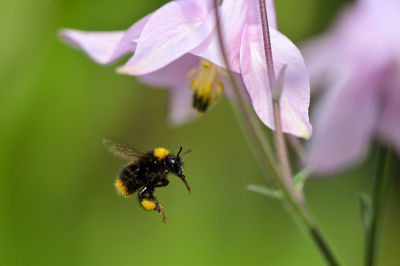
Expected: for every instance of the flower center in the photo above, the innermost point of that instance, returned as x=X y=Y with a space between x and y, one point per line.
x=207 y=85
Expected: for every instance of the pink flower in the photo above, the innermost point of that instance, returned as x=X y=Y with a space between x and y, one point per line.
x=358 y=61
x=176 y=47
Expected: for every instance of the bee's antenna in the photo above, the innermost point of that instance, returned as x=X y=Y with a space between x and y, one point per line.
x=180 y=150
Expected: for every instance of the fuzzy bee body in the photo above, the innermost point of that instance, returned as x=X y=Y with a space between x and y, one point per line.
x=145 y=172
x=128 y=180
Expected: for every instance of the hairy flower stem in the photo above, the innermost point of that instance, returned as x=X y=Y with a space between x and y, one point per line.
x=279 y=138
x=260 y=144
x=294 y=196
x=380 y=193
x=297 y=147
x=254 y=132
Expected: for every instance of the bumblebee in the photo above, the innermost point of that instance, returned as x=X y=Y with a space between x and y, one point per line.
x=145 y=172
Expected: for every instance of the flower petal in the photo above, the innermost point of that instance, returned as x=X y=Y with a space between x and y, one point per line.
x=389 y=121
x=253 y=13
x=180 y=105
x=296 y=92
x=319 y=54
x=173 y=30
x=105 y=47
x=244 y=12
x=228 y=90
x=344 y=122
x=100 y=46
x=173 y=75
x=232 y=33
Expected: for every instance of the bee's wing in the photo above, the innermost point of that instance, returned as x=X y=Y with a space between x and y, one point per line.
x=122 y=149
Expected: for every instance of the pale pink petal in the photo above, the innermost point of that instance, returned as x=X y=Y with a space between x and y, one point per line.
x=344 y=123
x=363 y=99
x=253 y=13
x=173 y=77
x=228 y=90
x=296 y=88
x=320 y=55
x=129 y=41
x=180 y=105
x=325 y=53
x=367 y=30
x=389 y=120
x=389 y=126
x=173 y=30
x=232 y=33
x=174 y=74
x=379 y=6
x=243 y=11
x=105 y=47
x=100 y=46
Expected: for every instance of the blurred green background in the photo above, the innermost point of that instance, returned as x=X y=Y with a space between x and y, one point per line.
x=58 y=205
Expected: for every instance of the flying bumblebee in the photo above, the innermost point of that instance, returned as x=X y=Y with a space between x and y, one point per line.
x=145 y=172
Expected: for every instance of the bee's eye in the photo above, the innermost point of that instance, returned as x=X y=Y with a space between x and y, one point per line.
x=173 y=165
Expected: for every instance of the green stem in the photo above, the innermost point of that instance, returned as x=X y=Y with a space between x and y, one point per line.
x=294 y=196
x=380 y=193
x=297 y=147
x=246 y=116
x=284 y=182
x=279 y=138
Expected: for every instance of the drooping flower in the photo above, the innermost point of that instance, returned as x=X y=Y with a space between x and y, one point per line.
x=358 y=63
x=176 y=47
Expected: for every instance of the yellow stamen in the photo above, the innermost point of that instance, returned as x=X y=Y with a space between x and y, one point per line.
x=207 y=85
x=220 y=87
x=191 y=73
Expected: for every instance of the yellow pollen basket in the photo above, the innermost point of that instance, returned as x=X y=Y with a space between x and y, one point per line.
x=207 y=85
x=148 y=205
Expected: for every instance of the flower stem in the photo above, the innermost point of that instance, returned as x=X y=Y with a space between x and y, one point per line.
x=380 y=193
x=297 y=147
x=254 y=132
x=279 y=138
x=294 y=196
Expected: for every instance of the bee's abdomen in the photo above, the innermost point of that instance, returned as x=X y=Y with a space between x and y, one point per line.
x=127 y=181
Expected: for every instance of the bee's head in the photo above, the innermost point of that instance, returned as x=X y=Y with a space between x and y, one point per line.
x=175 y=166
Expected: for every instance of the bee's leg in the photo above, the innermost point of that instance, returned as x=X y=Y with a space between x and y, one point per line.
x=163 y=182
x=145 y=190
x=160 y=209
x=149 y=202
x=147 y=199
